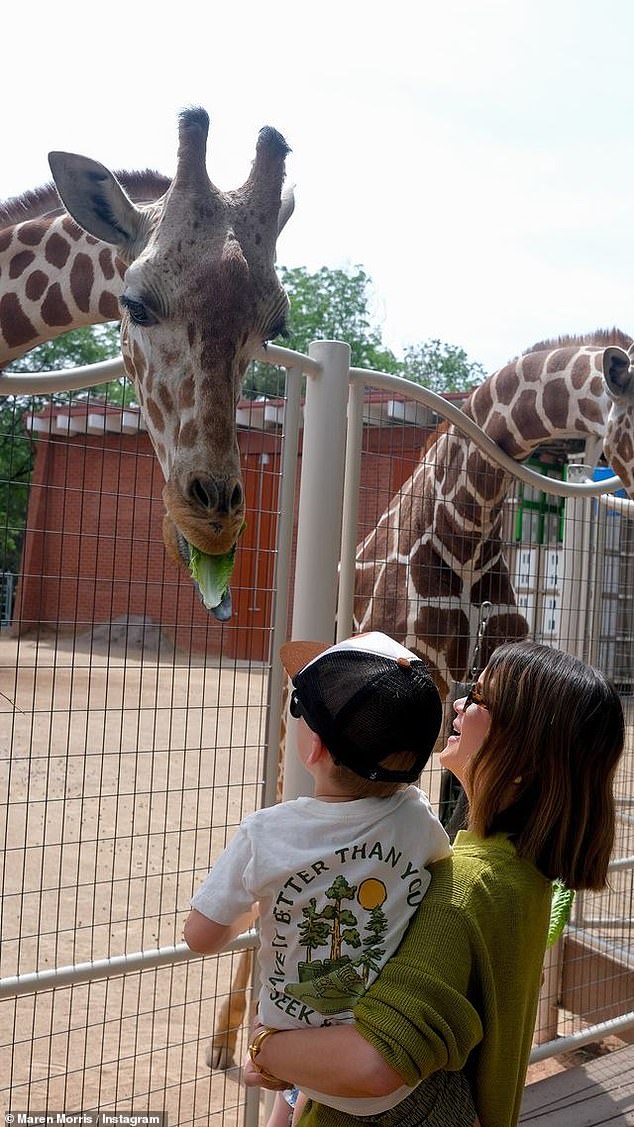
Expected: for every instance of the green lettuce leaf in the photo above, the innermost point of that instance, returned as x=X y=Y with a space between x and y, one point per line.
x=212 y=573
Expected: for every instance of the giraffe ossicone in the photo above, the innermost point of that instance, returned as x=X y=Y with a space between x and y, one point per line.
x=191 y=274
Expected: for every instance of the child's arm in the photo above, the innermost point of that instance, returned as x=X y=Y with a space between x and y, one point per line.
x=206 y=937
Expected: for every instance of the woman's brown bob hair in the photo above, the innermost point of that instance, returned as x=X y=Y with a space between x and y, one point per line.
x=555 y=740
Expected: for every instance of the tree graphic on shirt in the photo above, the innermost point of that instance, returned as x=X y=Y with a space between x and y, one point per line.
x=314 y=931
x=342 y=920
x=373 y=952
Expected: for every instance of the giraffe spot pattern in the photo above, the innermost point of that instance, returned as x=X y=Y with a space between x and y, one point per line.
x=130 y=372
x=497 y=427
x=507 y=386
x=580 y=371
x=31 y=234
x=591 y=410
x=186 y=393
x=156 y=415
x=82 y=277
x=109 y=307
x=188 y=436
x=532 y=367
x=167 y=399
x=447 y=631
x=450 y=530
x=16 y=327
x=449 y=466
x=555 y=403
x=431 y=574
x=36 y=283
x=55 y=311
x=526 y=419
x=486 y=478
x=5 y=239
x=56 y=250
x=626 y=450
x=20 y=262
x=71 y=228
x=106 y=264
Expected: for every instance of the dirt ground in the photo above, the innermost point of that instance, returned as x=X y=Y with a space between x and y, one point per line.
x=123 y=768
x=122 y=774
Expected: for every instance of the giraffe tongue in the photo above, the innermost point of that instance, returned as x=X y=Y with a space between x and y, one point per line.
x=224 y=610
x=211 y=575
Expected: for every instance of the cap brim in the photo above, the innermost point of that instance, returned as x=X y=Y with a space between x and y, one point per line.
x=295 y=655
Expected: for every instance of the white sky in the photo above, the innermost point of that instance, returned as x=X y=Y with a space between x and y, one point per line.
x=474 y=156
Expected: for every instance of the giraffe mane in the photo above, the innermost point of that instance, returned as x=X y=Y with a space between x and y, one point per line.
x=600 y=337
x=37 y=202
x=433 y=436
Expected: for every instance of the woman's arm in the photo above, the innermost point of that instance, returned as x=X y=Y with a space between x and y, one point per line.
x=416 y=1018
x=335 y=1060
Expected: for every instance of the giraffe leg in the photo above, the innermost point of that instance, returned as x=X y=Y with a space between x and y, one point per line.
x=221 y=1049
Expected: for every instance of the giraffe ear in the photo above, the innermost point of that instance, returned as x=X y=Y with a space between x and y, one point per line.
x=95 y=199
x=618 y=372
x=287 y=207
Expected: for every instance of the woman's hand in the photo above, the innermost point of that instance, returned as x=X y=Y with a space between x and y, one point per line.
x=253 y=1076
x=254 y=1079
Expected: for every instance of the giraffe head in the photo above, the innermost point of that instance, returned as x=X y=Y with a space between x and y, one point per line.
x=200 y=295
x=618 y=439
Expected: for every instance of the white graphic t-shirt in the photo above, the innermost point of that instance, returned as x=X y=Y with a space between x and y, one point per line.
x=337 y=884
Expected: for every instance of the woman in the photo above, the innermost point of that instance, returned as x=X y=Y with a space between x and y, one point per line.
x=536 y=743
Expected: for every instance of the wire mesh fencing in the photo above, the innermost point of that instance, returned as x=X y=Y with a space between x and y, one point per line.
x=134 y=739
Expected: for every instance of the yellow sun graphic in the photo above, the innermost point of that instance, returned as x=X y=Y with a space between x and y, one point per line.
x=371 y=894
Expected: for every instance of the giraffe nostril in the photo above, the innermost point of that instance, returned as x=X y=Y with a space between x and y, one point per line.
x=205 y=492
x=236 y=497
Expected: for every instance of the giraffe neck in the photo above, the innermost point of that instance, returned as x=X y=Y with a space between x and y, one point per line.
x=53 y=277
x=436 y=553
x=542 y=396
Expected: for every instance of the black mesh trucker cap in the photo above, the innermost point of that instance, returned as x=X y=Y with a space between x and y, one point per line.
x=366 y=698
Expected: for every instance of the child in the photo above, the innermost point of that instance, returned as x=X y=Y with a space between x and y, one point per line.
x=337 y=877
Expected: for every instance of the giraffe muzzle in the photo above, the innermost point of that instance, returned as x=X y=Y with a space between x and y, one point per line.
x=223 y=497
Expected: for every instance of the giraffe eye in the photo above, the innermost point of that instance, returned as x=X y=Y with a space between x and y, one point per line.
x=279 y=328
x=139 y=313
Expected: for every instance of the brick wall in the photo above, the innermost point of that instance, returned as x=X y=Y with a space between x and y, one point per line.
x=93 y=550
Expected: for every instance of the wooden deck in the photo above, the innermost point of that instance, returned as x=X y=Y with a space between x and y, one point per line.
x=590 y=1095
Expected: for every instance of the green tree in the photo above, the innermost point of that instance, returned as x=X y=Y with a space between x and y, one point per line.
x=76 y=349
x=334 y=304
x=326 y=305
x=441 y=367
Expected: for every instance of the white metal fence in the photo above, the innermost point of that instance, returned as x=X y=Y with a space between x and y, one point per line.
x=126 y=766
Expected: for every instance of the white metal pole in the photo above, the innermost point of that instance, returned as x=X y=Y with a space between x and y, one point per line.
x=282 y=581
x=575 y=570
x=319 y=518
x=350 y=525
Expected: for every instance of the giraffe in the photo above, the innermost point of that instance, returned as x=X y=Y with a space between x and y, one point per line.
x=436 y=552
x=191 y=275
